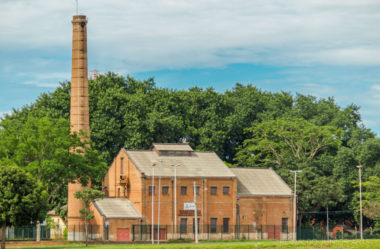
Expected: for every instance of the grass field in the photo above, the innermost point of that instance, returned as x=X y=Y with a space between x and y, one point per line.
x=341 y=244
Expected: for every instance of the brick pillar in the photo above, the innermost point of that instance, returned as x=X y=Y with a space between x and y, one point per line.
x=79 y=113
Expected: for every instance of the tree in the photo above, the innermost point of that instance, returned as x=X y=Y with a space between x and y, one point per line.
x=371 y=202
x=88 y=196
x=22 y=199
x=287 y=143
x=129 y=113
x=43 y=147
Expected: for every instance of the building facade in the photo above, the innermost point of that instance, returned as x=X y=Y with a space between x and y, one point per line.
x=162 y=192
x=165 y=178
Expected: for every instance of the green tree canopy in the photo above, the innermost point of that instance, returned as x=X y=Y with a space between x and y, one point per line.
x=22 y=199
x=43 y=147
x=88 y=196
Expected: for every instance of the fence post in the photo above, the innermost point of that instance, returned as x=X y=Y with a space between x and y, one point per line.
x=133 y=232
x=208 y=231
x=74 y=232
x=248 y=231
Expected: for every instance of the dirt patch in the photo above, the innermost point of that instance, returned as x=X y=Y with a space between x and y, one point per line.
x=35 y=243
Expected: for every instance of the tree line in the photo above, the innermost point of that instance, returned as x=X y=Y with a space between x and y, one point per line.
x=245 y=126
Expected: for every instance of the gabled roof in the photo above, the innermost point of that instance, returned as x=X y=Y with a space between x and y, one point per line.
x=199 y=164
x=116 y=208
x=172 y=147
x=260 y=182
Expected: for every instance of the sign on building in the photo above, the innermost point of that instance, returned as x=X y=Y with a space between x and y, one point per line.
x=189 y=206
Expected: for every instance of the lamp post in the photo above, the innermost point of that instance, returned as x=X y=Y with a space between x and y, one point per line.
x=175 y=198
x=195 y=214
x=295 y=203
x=152 y=232
x=360 y=194
x=159 y=202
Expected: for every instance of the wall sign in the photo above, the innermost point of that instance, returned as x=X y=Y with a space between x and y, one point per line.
x=189 y=206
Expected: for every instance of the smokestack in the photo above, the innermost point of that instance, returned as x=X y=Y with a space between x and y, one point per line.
x=79 y=117
x=79 y=110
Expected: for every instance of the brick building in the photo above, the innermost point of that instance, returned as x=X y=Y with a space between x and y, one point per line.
x=226 y=197
x=230 y=202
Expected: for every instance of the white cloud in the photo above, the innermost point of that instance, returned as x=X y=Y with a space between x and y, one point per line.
x=154 y=34
x=2 y=114
x=132 y=36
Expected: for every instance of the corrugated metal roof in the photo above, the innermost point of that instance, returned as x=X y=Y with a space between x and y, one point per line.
x=117 y=208
x=172 y=147
x=199 y=164
x=253 y=181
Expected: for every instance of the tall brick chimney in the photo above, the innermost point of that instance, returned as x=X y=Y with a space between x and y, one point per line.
x=79 y=115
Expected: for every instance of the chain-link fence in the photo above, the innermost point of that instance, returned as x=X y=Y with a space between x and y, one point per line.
x=336 y=232
x=27 y=233
x=94 y=232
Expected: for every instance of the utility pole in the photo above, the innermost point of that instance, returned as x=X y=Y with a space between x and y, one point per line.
x=327 y=222
x=152 y=232
x=159 y=202
x=195 y=214
x=175 y=198
x=295 y=203
x=361 y=207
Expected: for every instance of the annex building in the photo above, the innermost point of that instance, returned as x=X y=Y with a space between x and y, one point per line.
x=227 y=199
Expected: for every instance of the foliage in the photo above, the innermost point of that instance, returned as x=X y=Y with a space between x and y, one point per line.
x=287 y=143
x=294 y=143
x=371 y=200
x=65 y=233
x=43 y=147
x=22 y=199
x=125 y=112
x=88 y=196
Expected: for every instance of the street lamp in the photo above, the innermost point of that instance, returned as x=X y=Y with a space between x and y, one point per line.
x=360 y=193
x=295 y=203
x=159 y=201
x=152 y=232
x=175 y=198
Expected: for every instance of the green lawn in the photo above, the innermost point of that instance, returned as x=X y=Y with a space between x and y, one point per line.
x=342 y=244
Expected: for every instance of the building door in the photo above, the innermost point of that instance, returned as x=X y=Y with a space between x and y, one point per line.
x=162 y=234
x=273 y=232
x=123 y=234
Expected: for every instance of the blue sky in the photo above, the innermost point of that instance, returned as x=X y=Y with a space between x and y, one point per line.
x=318 y=47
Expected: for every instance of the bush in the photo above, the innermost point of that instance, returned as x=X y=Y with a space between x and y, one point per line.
x=65 y=233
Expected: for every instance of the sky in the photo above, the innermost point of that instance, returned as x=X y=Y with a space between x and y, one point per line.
x=318 y=47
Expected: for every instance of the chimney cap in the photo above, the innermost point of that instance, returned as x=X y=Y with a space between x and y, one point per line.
x=79 y=17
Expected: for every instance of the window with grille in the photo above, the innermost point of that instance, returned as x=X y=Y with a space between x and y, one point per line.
x=197 y=190
x=213 y=190
x=165 y=190
x=226 y=190
x=183 y=228
x=213 y=225
x=198 y=220
x=151 y=190
x=183 y=190
x=226 y=222
x=121 y=165
x=284 y=226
